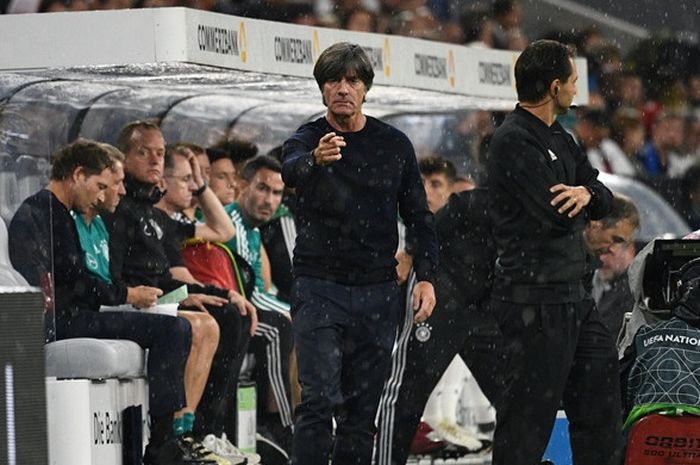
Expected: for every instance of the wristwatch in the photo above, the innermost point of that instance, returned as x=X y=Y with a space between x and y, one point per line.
x=593 y=194
x=200 y=190
x=311 y=160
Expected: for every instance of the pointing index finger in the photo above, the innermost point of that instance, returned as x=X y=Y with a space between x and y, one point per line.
x=327 y=137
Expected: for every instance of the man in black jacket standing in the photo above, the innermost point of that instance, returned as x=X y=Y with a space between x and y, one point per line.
x=350 y=172
x=543 y=191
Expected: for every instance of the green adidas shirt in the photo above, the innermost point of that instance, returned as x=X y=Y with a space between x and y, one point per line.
x=94 y=240
x=246 y=242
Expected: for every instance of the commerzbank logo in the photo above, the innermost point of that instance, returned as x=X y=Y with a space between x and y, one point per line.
x=297 y=51
x=435 y=66
x=243 y=41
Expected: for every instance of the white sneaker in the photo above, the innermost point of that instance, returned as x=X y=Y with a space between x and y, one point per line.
x=225 y=448
x=455 y=434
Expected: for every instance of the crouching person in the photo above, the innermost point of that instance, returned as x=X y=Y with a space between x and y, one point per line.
x=43 y=242
x=669 y=346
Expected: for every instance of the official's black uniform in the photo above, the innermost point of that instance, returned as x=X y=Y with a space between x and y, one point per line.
x=459 y=325
x=144 y=244
x=557 y=346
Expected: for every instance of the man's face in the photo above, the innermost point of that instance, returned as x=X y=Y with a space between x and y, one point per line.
x=567 y=91
x=145 y=158
x=600 y=239
x=344 y=97
x=223 y=180
x=437 y=190
x=669 y=134
x=616 y=260
x=89 y=191
x=261 y=197
x=115 y=191
x=179 y=184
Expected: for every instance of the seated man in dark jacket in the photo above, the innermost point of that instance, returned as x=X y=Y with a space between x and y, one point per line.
x=44 y=245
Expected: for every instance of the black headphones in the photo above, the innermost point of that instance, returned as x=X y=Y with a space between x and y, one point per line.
x=556 y=91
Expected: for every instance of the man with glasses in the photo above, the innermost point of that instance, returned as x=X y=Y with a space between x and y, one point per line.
x=143 y=248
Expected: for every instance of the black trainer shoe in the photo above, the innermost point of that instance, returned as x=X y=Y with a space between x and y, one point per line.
x=175 y=452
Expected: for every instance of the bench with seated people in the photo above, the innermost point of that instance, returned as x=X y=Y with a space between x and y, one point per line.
x=89 y=383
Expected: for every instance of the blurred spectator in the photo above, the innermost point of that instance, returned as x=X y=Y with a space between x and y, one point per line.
x=692 y=137
x=217 y=6
x=301 y=13
x=694 y=94
x=159 y=3
x=592 y=132
x=628 y=132
x=359 y=19
x=660 y=156
x=516 y=40
x=690 y=206
x=334 y=11
x=477 y=27
x=53 y=6
x=631 y=90
x=508 y=15
x=114 y=4
x=419 y=23
x=588 y=39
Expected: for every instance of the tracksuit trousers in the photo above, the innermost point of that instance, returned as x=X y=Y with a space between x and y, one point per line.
x=423 y=353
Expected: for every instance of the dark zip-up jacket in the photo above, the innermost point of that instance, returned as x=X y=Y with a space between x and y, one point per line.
x=347 y=211
x=541 y=252
x=144 y=242
x=467 y=252
x=43 y=239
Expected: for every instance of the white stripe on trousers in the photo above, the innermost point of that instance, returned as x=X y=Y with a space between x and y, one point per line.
x=392 y=385
x=274 y=370
x=289 y=232
x=265 y=301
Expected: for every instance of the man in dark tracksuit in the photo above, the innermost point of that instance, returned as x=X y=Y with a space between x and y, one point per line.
x=460 y=325
x=351 y=172
x=543 y=190
x=142 y=251
x=44 y=245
